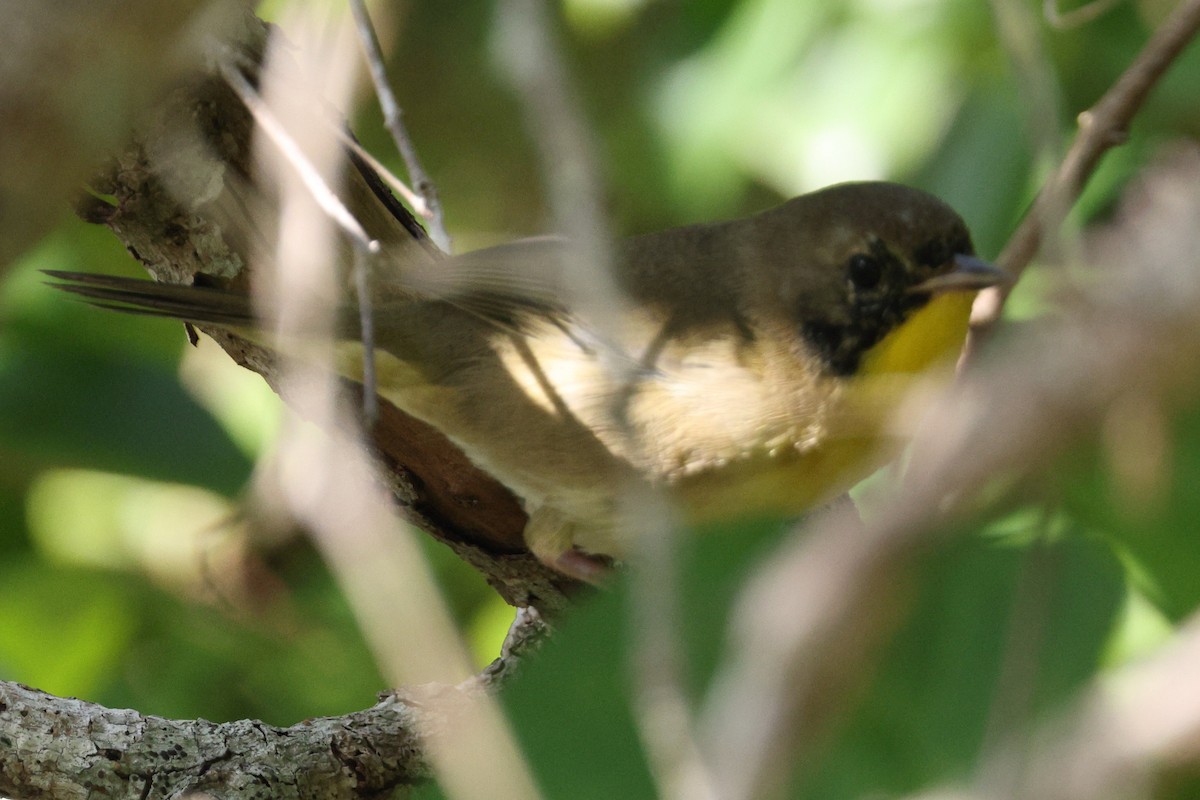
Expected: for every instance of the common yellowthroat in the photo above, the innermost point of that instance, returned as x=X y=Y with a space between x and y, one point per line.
x=755 y=367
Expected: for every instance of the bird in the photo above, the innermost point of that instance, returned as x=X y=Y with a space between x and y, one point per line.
x=750 y=368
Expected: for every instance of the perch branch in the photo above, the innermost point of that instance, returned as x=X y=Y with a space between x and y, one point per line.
x=64 y=749
x=183 y=194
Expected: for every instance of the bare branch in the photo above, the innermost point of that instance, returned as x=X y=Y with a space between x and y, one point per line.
x=414 y=200
x=327 y=480
x=1129 y=732
x=393 y=119
x=1019 y=31
x=1103 y=126
x=63 y=115
x=64 y=749
x=1076 y=17
x=530 y=54
x=317 y=186
x=810 y=623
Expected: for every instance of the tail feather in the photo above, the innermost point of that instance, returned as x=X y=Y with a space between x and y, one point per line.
x=134 y=296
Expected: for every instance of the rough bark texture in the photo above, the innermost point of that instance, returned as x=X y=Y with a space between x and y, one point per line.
x=55 y=748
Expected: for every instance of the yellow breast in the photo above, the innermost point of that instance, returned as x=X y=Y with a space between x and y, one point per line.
x=858 y=439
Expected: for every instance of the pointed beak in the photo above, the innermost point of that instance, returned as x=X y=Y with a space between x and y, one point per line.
x=969 y=274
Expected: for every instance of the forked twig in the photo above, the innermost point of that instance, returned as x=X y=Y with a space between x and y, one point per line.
x=393 y=120
x=1101 y=127
x=363 y=245
x=321 y=192
x=812 y=620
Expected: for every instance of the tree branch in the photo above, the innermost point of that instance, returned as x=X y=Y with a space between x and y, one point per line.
x=1103 y=126
x=809 y=623
x=52 y=747
x=67 y=748
x=393 y=120
x=68 y=102
x=786 y=671
x=1129 y=731
x=185 y=202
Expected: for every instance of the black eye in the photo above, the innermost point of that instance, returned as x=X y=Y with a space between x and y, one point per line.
x=933 y=254
x=864 y=271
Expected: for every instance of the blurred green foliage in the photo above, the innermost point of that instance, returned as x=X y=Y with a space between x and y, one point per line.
x=702 y=109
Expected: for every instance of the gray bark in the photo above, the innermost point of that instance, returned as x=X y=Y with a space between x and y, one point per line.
x=55 y=748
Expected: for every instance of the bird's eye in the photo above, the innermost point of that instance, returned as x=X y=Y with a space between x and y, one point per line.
x=864 y=271
x=934 y=253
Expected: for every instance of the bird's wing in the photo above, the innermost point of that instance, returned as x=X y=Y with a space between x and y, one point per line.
x=503 y=284
x=514 y=287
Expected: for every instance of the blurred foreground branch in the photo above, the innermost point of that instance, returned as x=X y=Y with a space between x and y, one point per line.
x=324 y=477
x=75 y=79
x=1129 y=733
x=1103 y=126
x=186 y=203
x=192 y=203
x=393 y=120
x=831 y=599
x=811 y=622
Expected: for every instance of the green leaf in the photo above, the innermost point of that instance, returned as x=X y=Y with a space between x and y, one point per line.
x=924 y=716
x=63 y=631
x=1157 y=531
x=101 y=410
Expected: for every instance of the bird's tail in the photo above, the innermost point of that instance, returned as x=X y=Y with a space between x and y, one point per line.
x=197 y=304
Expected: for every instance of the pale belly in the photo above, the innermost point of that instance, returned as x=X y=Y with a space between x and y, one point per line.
x=568 y=426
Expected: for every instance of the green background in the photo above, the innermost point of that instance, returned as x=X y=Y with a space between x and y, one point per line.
x=119 y=482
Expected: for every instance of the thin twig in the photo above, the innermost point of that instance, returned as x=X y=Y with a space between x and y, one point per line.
x=528 y=52
x=525 y=635
x=1101 y=127
x=414 y=200
x=663 y=709
x=1018 y=29
x=810 y=624
x=363 y=245
x=366 y=324
x=1130 y=731
x=393 y=120
x=1012 y=699
x=1076 y=17
x=327 y=478
x=326 y=198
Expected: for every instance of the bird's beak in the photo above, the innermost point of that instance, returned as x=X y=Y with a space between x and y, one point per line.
x=969 y=274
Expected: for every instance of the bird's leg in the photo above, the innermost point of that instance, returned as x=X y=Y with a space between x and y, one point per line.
x=548 y=534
